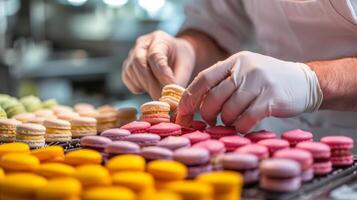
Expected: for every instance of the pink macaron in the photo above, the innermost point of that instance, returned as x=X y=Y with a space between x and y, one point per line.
x=340 y=149
x=195 y=125
x=215 y=147
x=297 y=135
x=143 y=139
x=137 y=126
x=122 y=147
x=197 y=136
x=217 y=132
x=95 y=142
x=156 y=153
x=274 y=144
x=165 y=129
x=260 y=151
x=260 y=135
x=115 y=134
x=233 y=142
x=174 y=142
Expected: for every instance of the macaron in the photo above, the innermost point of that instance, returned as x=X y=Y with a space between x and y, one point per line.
x=61 y=108
x=303 y=157
x=233 y=142
x=32 y=134
x=92 y=175
x=321 y=154
x=196 y=160
x=341 y=147
x=83 y=126
x=260 y=135
x=274 y=144
x=15 y=147
x=126 y=115
x=108 y=193
x=214 y=147
x=68 y=116
x=171 y=94
x=31 y=103
x=55 y=170
x=167 y=170
x=95 y=142
x=83 y=156
x=60 y=189
x=24 y=117
x=165 y=129
x=49 y=103
x=189 y=190
x=122 y=147
x=144 y=139
x=198 y=125
x=156 y=153
x=217 y=132
x=297 y=135
x=280 y=175
x=106 y=121
x=8 y=130
x=139 y=182
x=88 y=113
x=3 y=114
x=16 y=186
x=44 y=113
x=13 y=107
x=126 y=163
x=260 y=151
x=115 y=134
x=107 y=108
x=164 y=195
x=155 y=112
x=246 y=164
x=197 y=136
x=57 y=130
x=48 y=153
x=83 y=106
x=18 y=162
x=136 y=127
x=174 y=142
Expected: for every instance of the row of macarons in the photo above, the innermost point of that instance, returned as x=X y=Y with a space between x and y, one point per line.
x=55 y=175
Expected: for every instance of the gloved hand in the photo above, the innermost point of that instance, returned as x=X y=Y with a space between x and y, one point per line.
x=158 y=59
x=247 y=87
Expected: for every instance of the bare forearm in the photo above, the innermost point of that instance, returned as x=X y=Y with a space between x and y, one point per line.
x=338 y=81
x=207 y=51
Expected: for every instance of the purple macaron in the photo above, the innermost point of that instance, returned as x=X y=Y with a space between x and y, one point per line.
x=156 y=153
x=144 y=139
x=174 y=142
x=115 y=134
x=122 y=147
x=98 y=143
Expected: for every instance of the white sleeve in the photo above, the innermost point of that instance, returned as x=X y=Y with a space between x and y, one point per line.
x=223 y=20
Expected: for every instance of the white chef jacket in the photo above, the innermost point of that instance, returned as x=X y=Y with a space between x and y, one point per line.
x=293 y=30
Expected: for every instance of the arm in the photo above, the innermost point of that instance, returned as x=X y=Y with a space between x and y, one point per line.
x=338 y=82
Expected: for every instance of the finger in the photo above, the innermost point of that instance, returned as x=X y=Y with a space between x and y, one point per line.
x=235 y=106
x=129 y=78
x=214 y=100
x=198 y=88
x=158 y=53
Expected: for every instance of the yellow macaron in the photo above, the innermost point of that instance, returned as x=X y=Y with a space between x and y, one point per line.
x=83 y=156
x=2 y=174
x=55 y=170
x=139 y=182
x=15 y=147
x=48 y=153
x=17 y=162
x=163 y=195
x=92 y=175
x=126 y=162
x=167 y=170
x=108 y=193
x=21 y=185
x=60 y=189
x=191 y=190
x=171 y=94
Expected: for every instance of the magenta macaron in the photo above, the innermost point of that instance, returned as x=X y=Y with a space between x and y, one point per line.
x=214 y=147
x=274 y=144
x=197 y=136
x=137 y=126
x=165 y=129
x=95 y=142
x=122 y=147
x=297 y=135
x=340 y=149
x=260 y=151
x=217 y=132
x=143 y=139
x=156 y=153
x=260 y=135
x=115 y=134
x=233 y=142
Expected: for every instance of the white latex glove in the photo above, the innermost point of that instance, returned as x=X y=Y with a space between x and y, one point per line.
x=247 y=87
x=158 y=59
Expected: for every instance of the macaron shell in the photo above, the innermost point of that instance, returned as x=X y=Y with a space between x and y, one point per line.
x=30 y=129
x=233 y=142
x=338 y=142
x=197 y=136
x=274 y=144
x=280 y=185
x=165 y=129
x=317 y=149
x=122 y=147
x=192 y=156
x=280 y=168
x=259 y=150
x=302 y=156
x=239 y=161
x=156 y=153
x=215 y=147
x=137 y=126
x=174 y=142
x=217 y=132
x=260 y=135
x=322 y=168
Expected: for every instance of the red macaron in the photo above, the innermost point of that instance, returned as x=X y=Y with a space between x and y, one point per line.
x=340 y=149
x=295 y=136
x=217 y=132
x=260 y=135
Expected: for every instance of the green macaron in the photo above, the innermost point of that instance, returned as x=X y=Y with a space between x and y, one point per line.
x=31 y=103
x=49 y=103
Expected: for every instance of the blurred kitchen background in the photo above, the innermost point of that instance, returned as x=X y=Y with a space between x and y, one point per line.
x=72 y=50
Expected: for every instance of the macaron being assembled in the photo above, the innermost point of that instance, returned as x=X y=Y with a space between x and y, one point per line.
x=155 y=112
x=126 y=163
x=108 y=193
x=95 y=142
x=57 y=130
x=196 y=160
x=106 y=121
x=122 y=147
x=233 y=142
x=126 y=115
x=281 y=175
x=17 y=162
x=32 y=134
x=137 y=127
x=295 y=136
x=217 y=132
x=197 y=136
x=156 y=153
x=214 y=147
x=15 y=147
x=246 y=164
x=8 y=130
x=48 y=153
x=189 y=190
x=139 y=182
x=60 y=189
x=274 y=144
x=340 y=149
x=260 y=151
x=165 y=129
x=83 y=156
x=321 y=154
x=92 y=175
x=83 y=126
x=144 y=139
x=55 y=170
x=260 y=135
x=115 y=134
x=174 y=142
x=171 y=94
